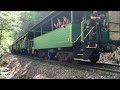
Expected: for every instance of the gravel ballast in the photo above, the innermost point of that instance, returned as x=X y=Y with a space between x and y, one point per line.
x=26 y=68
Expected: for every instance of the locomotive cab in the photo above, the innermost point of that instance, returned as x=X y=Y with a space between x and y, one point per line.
x=91 y=37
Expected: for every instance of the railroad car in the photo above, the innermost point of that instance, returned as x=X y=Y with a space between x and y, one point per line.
x=73 y=41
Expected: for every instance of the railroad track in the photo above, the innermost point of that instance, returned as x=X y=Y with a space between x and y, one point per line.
x=75 y=64
x=102 y=66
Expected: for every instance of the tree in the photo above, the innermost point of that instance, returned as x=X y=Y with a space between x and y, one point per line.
x=14 y=23
x=29 y=19
x=9 y=25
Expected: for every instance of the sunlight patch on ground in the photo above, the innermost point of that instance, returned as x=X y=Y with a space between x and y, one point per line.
x=39 y=76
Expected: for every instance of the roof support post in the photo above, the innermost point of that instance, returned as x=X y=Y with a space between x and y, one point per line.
x=41 y=30
x=72 y=15
x=52 y=23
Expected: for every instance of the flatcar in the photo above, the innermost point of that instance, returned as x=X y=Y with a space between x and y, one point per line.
x=73 y=41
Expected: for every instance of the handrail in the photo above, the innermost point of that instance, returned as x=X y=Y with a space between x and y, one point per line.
x=86 y=35
x=80 y=34
x=89 y=32
x=83 y=32
x=78 y=37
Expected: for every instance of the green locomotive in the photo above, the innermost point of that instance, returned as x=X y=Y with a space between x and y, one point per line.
x=74 y=41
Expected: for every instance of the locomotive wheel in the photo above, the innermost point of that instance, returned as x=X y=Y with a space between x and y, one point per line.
x=65 y=56
x=52 y=56
x=41 y=54
x=60 y=57
x=94 y=56
x=35 y=54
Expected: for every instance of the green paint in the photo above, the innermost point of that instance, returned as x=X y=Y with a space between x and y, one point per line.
x=105 y=35
x=54 y=39
x=75 y=31
x=82 y=31
x=105 y=32
x=61 y=37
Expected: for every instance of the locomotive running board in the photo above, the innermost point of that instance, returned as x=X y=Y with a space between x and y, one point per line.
x=79 y=54
x=92 y=46
x=77 y=59
x=81 y=59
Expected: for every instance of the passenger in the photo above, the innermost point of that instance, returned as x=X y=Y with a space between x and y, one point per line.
x=93 y=20
x=59 y=24
x=94 y=17
x=102 y=21
x=55 y=25
x=65 y=21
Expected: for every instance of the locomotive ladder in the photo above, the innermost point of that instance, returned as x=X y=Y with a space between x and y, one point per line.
x=80 y=54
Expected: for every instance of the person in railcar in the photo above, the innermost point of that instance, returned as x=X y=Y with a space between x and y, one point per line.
x=65 y=21
x=94 y=17
x=59 y=23
x=55 y=25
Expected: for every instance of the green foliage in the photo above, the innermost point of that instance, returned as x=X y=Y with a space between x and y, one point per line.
x=29 y=19
x=12 y=22
x=34 y=16
x=10 y=25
